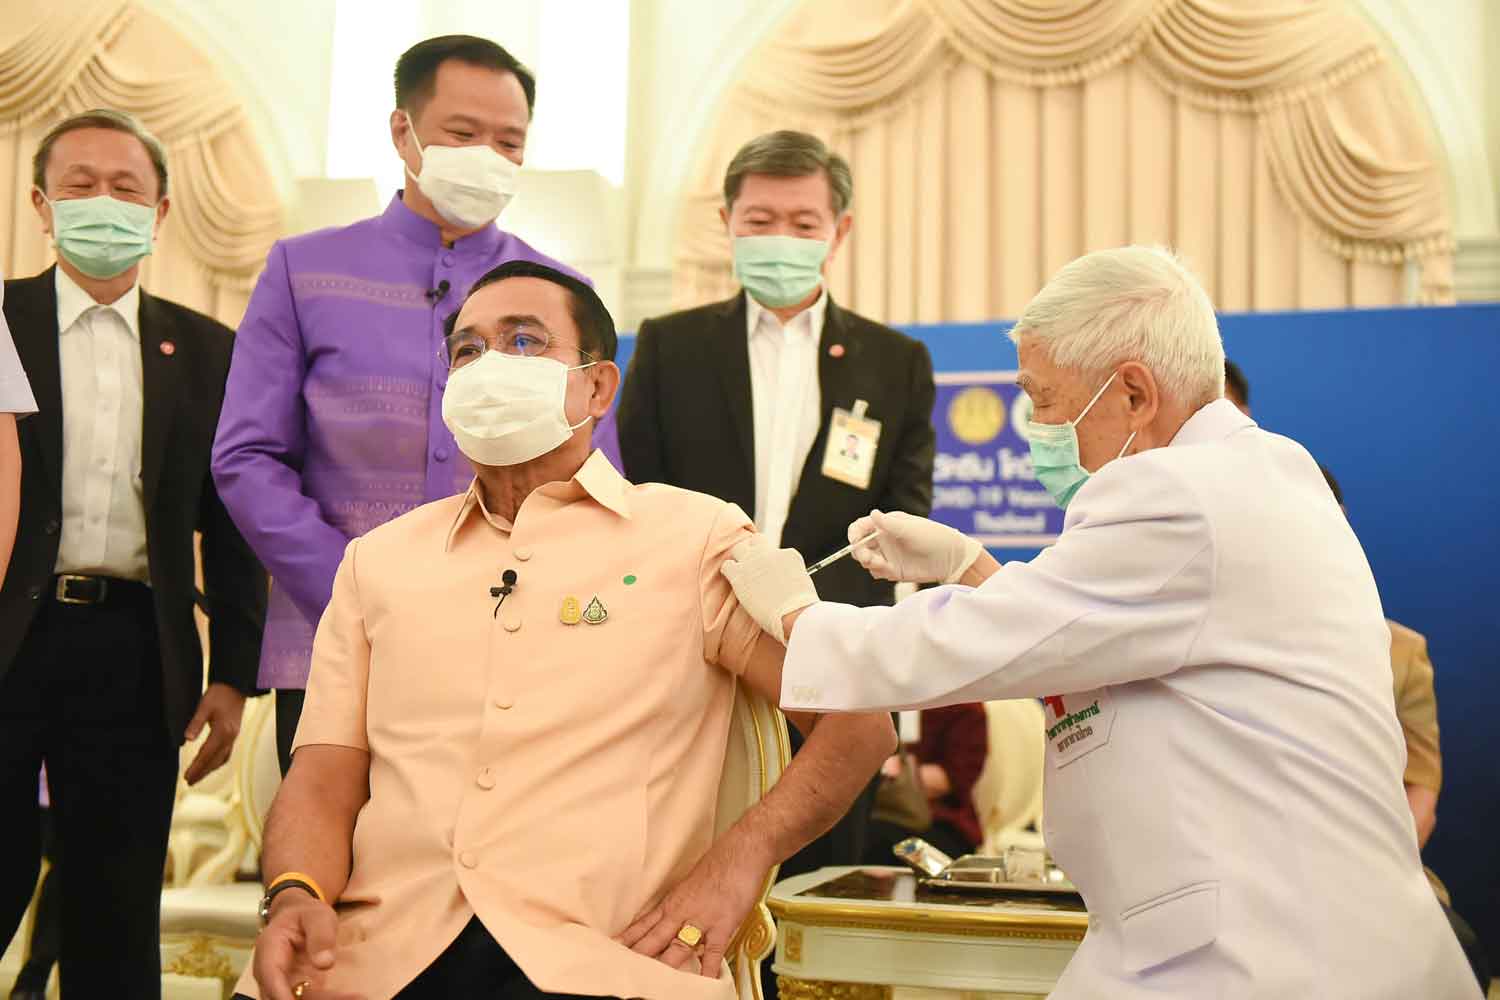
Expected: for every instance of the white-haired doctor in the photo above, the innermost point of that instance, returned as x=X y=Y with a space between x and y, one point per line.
x=1224 y=764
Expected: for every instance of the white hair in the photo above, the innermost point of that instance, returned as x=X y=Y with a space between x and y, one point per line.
x=1131 y=304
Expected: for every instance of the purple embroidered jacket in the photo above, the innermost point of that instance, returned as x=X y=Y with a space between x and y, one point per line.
x=332 y=421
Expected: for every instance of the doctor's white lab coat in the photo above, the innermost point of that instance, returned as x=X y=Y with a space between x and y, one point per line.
x=1224 y=762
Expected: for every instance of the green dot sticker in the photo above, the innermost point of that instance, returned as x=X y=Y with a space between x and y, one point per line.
x=630 y=579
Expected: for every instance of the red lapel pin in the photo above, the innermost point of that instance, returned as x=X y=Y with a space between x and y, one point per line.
x=168 y=348
x=836 y=351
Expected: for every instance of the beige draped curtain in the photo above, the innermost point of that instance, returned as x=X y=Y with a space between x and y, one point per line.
x=59 y=57
x=992 y=141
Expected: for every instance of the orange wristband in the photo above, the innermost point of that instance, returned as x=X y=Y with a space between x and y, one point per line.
x=302 y=877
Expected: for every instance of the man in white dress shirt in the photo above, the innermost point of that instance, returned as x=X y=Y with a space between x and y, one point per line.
x=1224 y=762
x=803 y=413
x=101 y=669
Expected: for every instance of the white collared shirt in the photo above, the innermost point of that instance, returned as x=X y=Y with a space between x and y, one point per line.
x=15 y=390
x=787 y=402
x=103 y=503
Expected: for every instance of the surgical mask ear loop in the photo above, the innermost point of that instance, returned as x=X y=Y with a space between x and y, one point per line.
x=1089 y=407
x=411 y=129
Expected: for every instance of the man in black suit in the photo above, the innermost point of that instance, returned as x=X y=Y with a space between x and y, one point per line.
x=803 y=413
x=101 y=670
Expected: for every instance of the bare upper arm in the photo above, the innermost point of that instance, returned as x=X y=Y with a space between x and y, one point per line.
x=339 y=776
x=763 y=675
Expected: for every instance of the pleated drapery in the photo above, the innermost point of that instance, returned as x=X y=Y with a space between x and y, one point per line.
x=65 y=56
x=1270 y=141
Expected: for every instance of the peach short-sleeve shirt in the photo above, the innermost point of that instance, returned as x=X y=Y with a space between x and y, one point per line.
x=555 y=778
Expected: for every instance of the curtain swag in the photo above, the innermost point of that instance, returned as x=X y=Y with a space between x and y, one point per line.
x=1337 y=130
x=226 y=219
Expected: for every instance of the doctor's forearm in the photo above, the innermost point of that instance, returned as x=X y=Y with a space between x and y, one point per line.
x=981 y=570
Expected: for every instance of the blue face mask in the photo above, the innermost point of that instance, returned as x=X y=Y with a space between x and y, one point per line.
x=779 y=271
x=102 y=236
x=1054 y=453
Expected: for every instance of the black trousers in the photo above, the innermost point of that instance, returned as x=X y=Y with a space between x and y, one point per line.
x=85 y=694
x=473 y=967
x=288 y=714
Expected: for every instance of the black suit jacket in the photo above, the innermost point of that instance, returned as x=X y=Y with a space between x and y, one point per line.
x=685 y=419
x=182 y=392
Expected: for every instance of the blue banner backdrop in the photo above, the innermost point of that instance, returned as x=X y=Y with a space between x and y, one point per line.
x=983 y=483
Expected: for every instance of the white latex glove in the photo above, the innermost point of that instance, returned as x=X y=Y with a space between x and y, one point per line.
x=912 y=549
x=770 y=583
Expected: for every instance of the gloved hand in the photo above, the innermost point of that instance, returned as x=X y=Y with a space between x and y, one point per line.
x=912 y=549
x=770 y=583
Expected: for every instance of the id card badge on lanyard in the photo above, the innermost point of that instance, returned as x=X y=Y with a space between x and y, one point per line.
x=853 y=438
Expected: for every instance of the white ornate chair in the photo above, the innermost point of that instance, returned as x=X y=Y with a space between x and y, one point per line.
x=208 y=920
x=1008 y=794
x=206 y=845
x=758 y=752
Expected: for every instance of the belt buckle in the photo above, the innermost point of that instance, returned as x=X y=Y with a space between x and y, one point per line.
x=62 y=589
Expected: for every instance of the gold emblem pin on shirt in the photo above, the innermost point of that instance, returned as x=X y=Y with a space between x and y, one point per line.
x=570 y=614
x=596 y=613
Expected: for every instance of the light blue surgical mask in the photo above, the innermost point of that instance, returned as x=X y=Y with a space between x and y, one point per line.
x=1054 y=453
x=779 y=271
x=102 y=236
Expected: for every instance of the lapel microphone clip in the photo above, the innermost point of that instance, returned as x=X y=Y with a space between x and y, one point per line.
x=507 y=584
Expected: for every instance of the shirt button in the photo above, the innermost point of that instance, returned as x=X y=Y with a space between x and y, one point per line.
x=447 y=260
x=441 y=454
x=523 y=553
x=512 y=623
x=35 y=593
x=486 y=779
x=53 y=527
x=468 y=860
x=503 y=703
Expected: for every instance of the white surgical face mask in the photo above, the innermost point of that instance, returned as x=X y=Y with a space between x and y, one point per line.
x=505 y=410
x=468 y=185
x=1054 y=453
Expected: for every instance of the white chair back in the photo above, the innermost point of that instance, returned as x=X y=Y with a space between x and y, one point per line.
x=757 y=753
x=257 y=780
x=210 y=829
x=1008 y=794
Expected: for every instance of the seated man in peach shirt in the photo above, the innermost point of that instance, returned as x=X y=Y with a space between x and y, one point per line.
x=506 y=771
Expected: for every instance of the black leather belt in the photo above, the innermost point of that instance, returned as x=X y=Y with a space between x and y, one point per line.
x=72 y=588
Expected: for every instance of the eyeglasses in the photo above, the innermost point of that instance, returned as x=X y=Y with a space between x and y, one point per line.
x=521 y=341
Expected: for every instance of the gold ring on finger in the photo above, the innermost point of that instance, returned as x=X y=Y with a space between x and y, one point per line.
x=300 y=989
x=691 y=936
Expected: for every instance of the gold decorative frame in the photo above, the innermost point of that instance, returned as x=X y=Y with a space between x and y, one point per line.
x=817 y=989
x=203 y=960
x=756 y=937
x=964 y=922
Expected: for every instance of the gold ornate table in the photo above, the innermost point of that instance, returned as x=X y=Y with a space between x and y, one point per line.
x=877 y=934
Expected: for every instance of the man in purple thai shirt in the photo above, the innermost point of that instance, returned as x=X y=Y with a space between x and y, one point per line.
x=332 y=420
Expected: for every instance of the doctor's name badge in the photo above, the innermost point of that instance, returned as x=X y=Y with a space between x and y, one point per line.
x=1078 y=725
